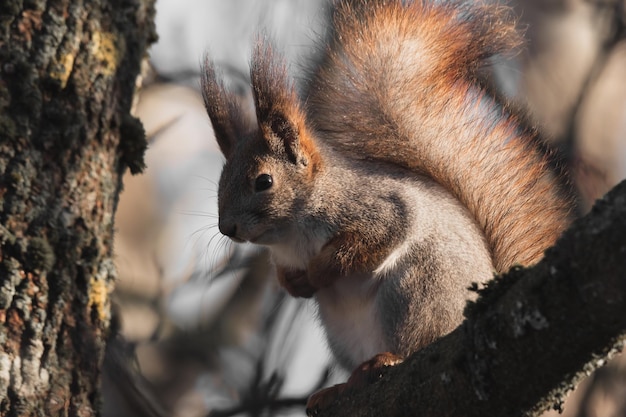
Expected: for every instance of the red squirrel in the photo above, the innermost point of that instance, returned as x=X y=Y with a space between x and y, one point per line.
x=395 y=180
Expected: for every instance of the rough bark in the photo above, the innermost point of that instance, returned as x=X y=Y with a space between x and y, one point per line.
x=67 y=75
x=527 y=341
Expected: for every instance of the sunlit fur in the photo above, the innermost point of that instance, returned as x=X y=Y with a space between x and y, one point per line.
x=406 y=74
x=398 y=180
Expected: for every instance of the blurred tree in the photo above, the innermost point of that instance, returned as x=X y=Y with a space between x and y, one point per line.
x=68 y=72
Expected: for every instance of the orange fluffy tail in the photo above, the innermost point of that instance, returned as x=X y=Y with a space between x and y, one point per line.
x=398 y=82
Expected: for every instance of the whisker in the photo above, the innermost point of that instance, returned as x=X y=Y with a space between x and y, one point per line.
x=207 y=179
x=193 y=213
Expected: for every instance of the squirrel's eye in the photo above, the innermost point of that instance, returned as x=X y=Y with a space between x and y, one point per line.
x=263 y=182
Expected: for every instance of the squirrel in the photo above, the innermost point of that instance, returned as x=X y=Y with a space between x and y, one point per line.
x=395 y=180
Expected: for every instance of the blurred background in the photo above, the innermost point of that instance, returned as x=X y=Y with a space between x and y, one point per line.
x=204 y=328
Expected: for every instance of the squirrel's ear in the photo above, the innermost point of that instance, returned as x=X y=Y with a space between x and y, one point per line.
x=281 y=121
x=227 y=117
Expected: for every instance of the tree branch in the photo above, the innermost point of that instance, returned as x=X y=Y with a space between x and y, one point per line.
x=532 y=335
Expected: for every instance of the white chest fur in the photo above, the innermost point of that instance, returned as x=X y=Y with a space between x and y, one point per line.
x=299 y=246
x=348 y=309
x=351 y=317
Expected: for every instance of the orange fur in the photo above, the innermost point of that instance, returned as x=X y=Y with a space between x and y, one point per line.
x=398 y=83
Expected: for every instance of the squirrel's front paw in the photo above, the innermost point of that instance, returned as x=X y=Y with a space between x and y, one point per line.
x=296 y=282
x=323 y=270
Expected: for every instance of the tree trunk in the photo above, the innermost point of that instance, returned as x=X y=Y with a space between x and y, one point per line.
x=67 y=77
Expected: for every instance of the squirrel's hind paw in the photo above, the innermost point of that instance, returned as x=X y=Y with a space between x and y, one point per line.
x=367 y=373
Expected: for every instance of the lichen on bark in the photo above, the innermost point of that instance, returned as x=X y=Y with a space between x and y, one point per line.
x=67 y=77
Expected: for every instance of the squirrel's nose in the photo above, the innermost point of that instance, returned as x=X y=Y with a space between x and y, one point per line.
x=228 y=229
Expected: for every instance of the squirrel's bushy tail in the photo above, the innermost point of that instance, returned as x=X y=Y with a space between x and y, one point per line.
x=397 y=82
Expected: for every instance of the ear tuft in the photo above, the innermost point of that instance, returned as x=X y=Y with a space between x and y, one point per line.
x=279 y=115
x=273 y=91
x=224 y=109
